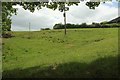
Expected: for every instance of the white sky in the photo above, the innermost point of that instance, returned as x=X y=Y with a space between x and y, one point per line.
x=46 y=18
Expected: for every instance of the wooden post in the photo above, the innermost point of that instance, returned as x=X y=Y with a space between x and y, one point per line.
x=29 y=26
x=64 y=14
x=29 y=31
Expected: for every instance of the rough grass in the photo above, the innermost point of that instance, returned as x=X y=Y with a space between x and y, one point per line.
x=83 y=53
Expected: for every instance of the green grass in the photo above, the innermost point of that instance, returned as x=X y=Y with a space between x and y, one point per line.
x=81 y=53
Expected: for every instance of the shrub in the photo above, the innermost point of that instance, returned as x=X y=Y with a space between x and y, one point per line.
x=58 y=26
x=45 y=28
x=83 y=25
x=7 y=35
x=105 y=22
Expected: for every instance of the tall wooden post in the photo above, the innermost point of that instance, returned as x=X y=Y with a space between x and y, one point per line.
x=64 y=14
x=29 y=31
x=29 y=26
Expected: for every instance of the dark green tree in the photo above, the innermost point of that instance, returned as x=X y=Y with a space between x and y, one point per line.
x=7 y=11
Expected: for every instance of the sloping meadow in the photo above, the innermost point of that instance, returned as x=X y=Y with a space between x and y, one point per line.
x=81 y=53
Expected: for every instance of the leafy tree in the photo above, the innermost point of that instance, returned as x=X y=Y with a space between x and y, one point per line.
x=7 y=11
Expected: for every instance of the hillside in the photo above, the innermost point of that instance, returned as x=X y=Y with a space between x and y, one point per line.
x=89 y=53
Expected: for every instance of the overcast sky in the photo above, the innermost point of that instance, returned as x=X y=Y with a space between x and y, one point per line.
x=46 y=18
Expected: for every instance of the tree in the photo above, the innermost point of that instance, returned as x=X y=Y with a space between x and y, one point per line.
x=8 y=10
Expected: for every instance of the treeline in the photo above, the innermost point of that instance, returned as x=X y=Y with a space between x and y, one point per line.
x=84 y=25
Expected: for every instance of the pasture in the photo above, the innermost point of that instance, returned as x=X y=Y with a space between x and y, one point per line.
x=82 y=53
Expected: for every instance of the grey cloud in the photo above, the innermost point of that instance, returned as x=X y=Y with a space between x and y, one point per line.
x=39 y=19
x=82 y=13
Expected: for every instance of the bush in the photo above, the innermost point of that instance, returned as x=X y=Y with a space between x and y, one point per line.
x=105 y=22
x=45 y=28
x=58 y=26
x=83 y=25
x=7 y=35
x=96 y=25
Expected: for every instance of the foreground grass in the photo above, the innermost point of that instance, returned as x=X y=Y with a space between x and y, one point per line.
x=81 y=53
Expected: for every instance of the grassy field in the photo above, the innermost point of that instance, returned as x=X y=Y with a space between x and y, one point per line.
x=83 y=53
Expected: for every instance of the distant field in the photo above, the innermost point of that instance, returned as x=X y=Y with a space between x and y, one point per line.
x=81 y=53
